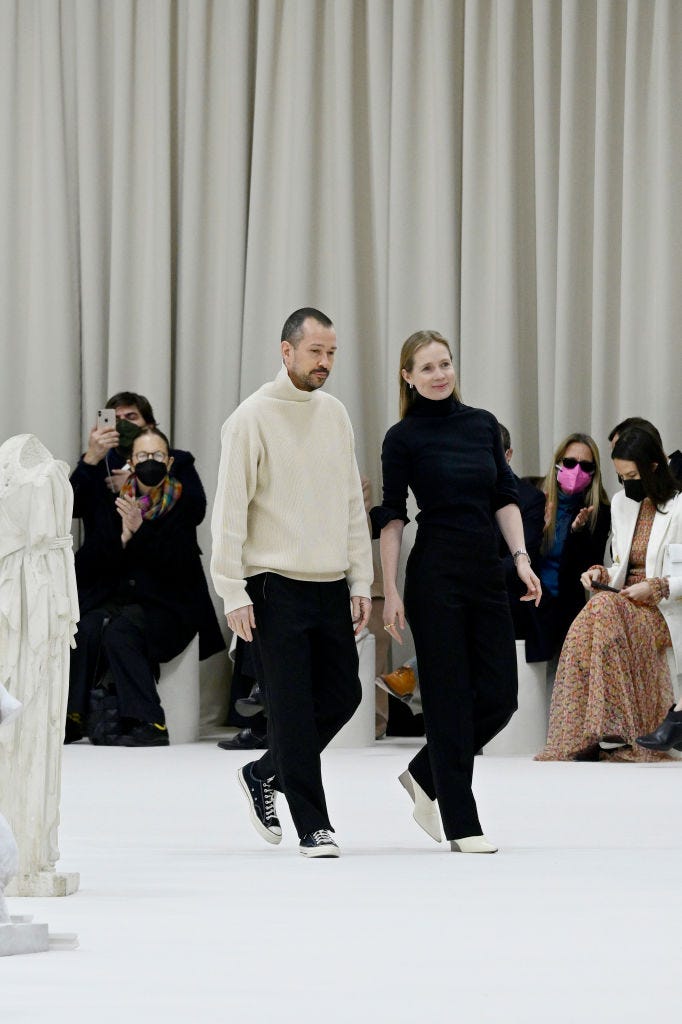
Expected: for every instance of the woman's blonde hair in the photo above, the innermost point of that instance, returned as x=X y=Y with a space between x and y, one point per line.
x=409 y=350
x=595 y=496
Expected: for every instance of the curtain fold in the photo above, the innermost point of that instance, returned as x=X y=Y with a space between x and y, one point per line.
x=175 y=178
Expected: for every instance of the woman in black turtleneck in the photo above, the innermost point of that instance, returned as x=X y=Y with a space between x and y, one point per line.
x=451 y=457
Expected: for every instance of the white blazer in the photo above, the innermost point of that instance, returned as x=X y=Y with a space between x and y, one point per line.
x=666 y=530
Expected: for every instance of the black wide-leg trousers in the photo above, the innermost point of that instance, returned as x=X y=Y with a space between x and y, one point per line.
x=304 y=635
x=458 y=611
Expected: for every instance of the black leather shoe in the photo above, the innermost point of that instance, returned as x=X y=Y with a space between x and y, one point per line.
x=251 y=705
x=144 y=734
x=668 y=734
x=247 y=739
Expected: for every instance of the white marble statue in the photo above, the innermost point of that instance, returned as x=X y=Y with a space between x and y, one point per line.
x=38 y=616
x=9 y=854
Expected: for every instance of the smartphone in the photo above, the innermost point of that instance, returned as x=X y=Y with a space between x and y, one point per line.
x=106 y=419
x=603 y=586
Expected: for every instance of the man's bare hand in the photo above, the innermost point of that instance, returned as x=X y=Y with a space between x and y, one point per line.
x=117 y=479
x=100 y=443
x=361 y=608
x=242 y=622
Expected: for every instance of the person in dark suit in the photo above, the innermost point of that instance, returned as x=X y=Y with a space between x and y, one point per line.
x=140 y=581
x=104 y=468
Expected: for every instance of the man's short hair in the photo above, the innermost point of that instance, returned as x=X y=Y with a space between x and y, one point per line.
x=141 y=403
x=293 y=327
x=506 y=438
x=641 y=424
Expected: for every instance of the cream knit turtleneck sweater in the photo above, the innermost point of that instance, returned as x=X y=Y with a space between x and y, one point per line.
x=289 y=496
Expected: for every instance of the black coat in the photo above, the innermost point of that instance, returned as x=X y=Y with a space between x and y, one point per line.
x=550 y=622
x=94 y=505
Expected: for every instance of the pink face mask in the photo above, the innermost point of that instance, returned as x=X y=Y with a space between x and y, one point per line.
x=573 y=481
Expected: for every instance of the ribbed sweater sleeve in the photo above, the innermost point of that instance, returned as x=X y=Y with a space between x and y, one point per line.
x=237 y=478
x=360 y=572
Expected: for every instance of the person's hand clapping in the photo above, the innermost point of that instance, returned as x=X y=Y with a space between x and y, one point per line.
x=131 y=517
x=581 y=519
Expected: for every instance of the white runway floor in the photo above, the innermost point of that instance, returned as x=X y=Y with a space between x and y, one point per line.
x=185 y=914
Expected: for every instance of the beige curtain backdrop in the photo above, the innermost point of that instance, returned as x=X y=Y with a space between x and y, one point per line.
x=176 y=177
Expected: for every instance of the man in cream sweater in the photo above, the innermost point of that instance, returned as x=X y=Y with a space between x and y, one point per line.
x=292 y=562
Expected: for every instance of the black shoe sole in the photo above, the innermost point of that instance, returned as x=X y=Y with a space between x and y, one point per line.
x=236 y=744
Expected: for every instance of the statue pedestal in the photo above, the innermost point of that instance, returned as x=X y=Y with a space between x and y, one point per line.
x=21 y=937
x=44 y=883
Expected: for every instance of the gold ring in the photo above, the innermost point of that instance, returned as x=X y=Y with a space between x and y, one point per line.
x=389 y=625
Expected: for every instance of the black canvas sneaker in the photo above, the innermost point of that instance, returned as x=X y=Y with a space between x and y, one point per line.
x=261 y=797
x=319 y=844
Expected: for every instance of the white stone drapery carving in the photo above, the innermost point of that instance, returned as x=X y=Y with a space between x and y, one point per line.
x=38 y=616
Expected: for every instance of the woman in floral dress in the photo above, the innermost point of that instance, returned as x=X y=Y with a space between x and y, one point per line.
x=613 y=683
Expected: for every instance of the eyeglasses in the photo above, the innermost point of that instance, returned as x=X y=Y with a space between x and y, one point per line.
x=585 y=464
x=145 y=456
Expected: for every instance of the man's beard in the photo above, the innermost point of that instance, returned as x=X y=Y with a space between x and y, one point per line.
x=309 y=382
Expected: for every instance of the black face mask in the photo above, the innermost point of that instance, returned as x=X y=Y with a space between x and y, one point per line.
x=127 y=432
x=151 y=473
x=634 y=490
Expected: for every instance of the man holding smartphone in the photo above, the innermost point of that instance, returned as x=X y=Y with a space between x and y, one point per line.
x=105 y=462
x=292 y=561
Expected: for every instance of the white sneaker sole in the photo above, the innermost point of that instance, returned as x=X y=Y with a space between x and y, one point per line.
x=265 y=833
x=320 y=851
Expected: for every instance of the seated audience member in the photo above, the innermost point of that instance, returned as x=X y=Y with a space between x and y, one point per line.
x=613 y=683
x=577 y=524
x=105 y=467
x=403 y=682
x=674 y=459
x=140 y=582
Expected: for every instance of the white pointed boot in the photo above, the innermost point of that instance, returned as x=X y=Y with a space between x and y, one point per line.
x=472 y=844
x=425 y=811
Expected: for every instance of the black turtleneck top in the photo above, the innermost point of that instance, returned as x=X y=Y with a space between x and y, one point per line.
x=450 y=456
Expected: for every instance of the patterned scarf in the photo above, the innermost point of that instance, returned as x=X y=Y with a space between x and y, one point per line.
x=159 y=500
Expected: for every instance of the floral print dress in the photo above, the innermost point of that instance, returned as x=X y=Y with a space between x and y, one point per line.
x=613 y=678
